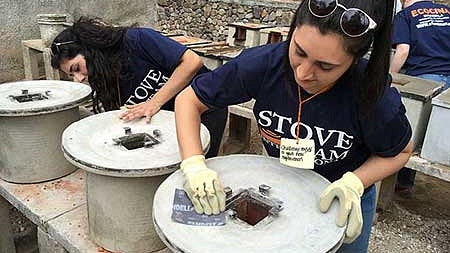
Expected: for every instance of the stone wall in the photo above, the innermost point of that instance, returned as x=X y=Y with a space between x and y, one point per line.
x=18 y=22
x=209 y=19
x=446 y=2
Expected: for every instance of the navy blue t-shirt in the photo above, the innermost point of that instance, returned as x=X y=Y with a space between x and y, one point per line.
x=152 y=60
x=343 y=140
x=425 y=27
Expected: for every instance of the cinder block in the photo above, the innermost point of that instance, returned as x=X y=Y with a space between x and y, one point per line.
x=416 y=96
x=436 y=146
x=273 y=35
x=245 y=34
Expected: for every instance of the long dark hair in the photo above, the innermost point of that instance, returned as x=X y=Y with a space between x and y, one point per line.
x=102 y=46
x=372 y=86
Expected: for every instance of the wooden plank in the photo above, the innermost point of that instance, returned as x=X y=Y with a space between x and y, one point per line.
x=42 y=202
x=72 y=232
x=429 y=168
x=50 y=73
x=30 y=63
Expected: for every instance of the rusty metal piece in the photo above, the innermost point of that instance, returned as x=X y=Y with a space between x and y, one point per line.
x=264 y=189
x=157 y=133
x=25 y=96
x=228 y=192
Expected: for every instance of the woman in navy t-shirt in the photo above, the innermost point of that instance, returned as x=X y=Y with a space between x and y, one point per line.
x=135 y=67
x=313 y=88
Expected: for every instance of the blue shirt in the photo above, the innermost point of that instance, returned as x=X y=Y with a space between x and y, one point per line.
x=425 y=27
x=152 y=60
x=343 y=140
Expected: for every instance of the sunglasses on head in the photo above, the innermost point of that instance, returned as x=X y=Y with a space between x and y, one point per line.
x=354 y=22
x=55 y=46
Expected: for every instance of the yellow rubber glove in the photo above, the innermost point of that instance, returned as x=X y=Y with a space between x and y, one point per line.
x=348 y=190
x=203 y=186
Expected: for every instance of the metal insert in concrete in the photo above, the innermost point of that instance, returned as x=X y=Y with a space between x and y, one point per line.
x=286 y=217
x=33 y=115
x=436 y=145
x=416 y=96
x=126 y=162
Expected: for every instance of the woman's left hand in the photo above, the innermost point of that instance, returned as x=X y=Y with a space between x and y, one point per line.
x=348 y=190
x=145 y=109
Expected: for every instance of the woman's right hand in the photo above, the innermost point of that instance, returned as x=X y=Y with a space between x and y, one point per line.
x=202 y=185
x=145 y=109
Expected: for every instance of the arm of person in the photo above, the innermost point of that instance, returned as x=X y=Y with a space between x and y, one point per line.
x=188 y=109
x=377 y=168
x=400 y=56
x=202 y=184
x=190 y=63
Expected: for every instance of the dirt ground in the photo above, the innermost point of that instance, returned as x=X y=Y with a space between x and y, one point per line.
x=420 y=224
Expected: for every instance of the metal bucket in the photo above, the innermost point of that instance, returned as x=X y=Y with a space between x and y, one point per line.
x=33 y=116
x=126 y=162
x=298 y=227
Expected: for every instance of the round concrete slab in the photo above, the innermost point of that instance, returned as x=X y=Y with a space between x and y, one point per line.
x=40 y=97
x=300 y=226
x=89 y=144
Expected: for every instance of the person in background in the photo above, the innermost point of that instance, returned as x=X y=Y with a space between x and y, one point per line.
x=131 y=66
x=313 y=89
x=421 y=40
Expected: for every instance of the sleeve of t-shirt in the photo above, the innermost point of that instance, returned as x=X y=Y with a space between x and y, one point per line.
x=235 y=82
x=387 y=131
x=155 y=47
x=401 y=32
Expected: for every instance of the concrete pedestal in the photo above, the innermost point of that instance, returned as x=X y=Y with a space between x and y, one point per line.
x=436 y=146
x=245 y=34
x=120 y=213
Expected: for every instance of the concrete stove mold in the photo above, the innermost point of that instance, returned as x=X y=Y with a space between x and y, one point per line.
x=126 y=162
x=33 y=116
x=282 y=211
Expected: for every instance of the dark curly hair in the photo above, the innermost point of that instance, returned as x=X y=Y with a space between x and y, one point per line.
x=372 y=86
x=102 y=46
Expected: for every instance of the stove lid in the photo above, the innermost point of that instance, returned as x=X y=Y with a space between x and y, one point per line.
x=298 y=227
x=40 y=97
x=104 y=144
